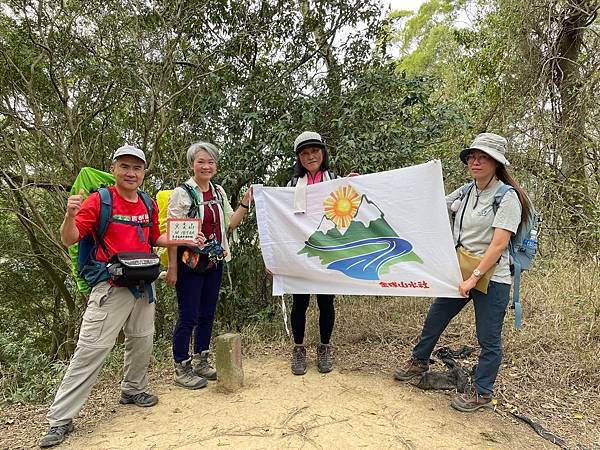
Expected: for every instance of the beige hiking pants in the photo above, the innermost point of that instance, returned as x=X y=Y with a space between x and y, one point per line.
x=109 y=310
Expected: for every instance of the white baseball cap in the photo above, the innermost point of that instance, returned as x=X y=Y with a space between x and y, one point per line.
x=129 y=150
x=308 y=138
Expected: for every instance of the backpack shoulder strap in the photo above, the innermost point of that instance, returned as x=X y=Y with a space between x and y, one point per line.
x=333 y=175
x=220 y=193
x=147 y=203
x=150 y=208
x=104 y=218
x=190 y=191
x=465 y=189
x=499 y=195
x=105 y=213
x=195 y=201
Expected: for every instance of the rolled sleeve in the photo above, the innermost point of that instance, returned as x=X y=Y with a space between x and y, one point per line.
x=227 y=209
x=179 y=204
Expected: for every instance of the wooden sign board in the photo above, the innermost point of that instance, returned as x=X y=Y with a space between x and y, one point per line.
x=183 y=231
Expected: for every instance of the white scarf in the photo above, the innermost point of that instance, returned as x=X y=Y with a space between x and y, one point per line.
x=300 y=192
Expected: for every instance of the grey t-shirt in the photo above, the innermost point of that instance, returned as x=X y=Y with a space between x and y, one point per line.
x=479 y=223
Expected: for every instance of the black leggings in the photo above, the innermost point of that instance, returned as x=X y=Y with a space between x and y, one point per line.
x=326 y=316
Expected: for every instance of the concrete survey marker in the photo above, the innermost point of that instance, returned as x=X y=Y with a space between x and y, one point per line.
x=228 y=359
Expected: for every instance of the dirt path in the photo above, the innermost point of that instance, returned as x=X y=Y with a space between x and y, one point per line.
x=279 y=410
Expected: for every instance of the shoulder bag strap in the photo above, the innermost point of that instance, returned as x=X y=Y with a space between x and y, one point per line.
x=464 y=208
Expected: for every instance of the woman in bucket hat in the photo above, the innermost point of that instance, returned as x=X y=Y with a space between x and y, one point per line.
x=486 y=234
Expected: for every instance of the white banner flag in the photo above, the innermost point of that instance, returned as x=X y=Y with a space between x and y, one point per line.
x=385 y=233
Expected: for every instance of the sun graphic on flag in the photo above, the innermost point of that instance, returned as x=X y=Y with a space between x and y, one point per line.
x=341 y=206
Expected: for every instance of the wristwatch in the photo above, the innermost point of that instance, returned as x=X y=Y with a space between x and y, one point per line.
x=477 y=273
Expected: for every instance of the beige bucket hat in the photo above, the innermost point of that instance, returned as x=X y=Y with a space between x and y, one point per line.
x=490 y=143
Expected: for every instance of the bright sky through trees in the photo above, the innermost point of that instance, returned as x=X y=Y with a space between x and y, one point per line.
x=403 y=4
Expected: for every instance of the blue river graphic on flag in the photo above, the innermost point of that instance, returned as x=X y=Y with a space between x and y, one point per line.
x=354 y=238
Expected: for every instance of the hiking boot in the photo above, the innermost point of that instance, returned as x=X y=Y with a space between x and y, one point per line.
x=299 y=360
x=471 y=401
x=324 y=358
x=202 y=367
x=56 y=435
x=412 y=368
x=185 y=376
x=142 y=399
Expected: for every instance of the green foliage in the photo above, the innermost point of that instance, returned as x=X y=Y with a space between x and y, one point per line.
x=82 y=78
x=378 y=134
x=26 y=373
x=245 y=288
x=527 y=71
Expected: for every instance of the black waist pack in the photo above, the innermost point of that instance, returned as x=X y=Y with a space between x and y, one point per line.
x=129 y=269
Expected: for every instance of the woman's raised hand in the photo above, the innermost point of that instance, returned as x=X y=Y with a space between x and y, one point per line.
x=248 y=196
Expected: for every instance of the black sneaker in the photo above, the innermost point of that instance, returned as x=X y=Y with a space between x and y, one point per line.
x=56 y=435
x=142 y=399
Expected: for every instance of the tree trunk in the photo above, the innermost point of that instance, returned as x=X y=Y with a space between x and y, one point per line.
x=568 y=80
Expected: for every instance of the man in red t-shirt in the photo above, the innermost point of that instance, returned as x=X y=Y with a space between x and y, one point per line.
x=110 y=308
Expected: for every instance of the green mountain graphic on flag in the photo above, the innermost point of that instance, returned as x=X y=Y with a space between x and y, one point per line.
x=365 y=250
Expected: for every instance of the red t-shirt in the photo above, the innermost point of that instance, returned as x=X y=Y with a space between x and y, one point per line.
x=119 y=237
x=211 y=223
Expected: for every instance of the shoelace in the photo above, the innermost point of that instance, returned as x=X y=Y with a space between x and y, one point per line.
x=60 y=429
x=471 y=392
x=141 y=396
x=323 y=356
x=205 y=365
x=298 y=357
x=203 y=360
